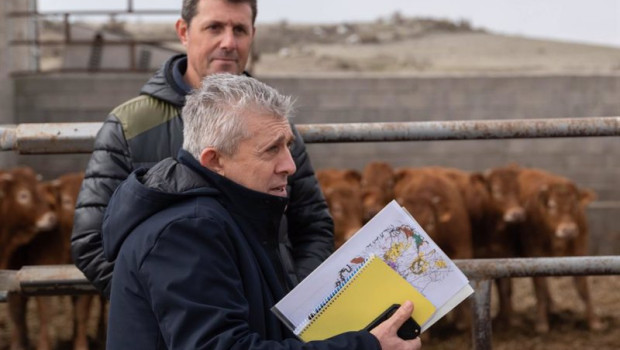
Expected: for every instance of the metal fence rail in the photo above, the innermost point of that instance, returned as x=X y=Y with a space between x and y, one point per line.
x=49 y=138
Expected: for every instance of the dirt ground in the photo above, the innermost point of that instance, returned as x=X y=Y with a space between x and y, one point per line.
x=568 y=327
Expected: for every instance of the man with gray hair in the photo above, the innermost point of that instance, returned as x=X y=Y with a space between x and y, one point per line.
x=195 y=239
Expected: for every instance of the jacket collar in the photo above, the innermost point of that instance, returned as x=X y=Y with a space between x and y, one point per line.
x=241 y=200
x=163 y=85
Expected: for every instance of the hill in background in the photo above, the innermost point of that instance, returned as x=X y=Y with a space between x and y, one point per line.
x=400 y=46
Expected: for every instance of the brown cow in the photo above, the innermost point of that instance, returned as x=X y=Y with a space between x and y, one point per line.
x=473 y=189
x=343 y=195
x=26 y=215
x=497 y=238
x=437 y=205
x=377 y=187
x=555 y=226
x=51 y=249
x=23 y=210
x=492 y=203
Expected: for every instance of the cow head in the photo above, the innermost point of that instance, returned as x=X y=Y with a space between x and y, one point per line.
x=61 y=194
x=503 y=187
x=24 y=204
x=563 y=212
x=429 y=209
x=23 y=209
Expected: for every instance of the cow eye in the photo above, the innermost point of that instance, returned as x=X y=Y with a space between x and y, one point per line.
x=24 y=197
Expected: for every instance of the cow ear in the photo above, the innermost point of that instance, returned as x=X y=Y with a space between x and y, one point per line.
x=586 y=196
x=353 y=175
x=400 y=174
x=476 y=177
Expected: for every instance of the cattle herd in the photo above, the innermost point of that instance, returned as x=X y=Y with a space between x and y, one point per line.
x=35 y=229
x=507 y=211
x=503 y=212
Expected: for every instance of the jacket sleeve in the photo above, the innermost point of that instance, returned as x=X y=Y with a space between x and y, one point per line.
x=109 y=165
x=207 y=308
x=310 y=226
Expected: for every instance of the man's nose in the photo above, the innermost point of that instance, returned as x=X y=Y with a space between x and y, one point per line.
x=229 y=41
x=287 y=164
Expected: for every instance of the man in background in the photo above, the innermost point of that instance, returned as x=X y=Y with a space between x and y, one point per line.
x=217 y=35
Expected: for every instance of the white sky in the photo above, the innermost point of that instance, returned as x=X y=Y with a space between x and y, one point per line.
x=589 y=21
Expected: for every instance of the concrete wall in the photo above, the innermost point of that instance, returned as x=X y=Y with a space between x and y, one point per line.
x=6 y=84
x=591 y=162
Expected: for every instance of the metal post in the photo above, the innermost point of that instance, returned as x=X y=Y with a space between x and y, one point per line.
x=67 y=28
x=481 y=305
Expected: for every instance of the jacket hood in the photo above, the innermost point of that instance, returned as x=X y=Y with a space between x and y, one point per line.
x=162 y=85
x=144 y=193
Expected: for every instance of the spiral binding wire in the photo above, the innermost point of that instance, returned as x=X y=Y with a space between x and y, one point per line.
x=319 y=309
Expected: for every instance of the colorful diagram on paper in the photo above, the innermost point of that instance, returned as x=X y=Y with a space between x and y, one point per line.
x=408 y=252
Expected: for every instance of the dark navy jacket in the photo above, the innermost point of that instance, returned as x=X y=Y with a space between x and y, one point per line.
x=197 y=264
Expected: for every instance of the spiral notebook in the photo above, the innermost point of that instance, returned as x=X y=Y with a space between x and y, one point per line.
x=365 y=295
x=389 y=260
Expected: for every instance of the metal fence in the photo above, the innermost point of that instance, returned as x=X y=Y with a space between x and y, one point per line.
x=78 y=138
x=49 y=138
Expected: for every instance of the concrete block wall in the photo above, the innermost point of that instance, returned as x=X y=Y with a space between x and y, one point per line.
x=6 y=85
x=591 y=162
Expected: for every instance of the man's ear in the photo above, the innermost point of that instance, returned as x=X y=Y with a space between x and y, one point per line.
x=210 y=158
x=182 y=29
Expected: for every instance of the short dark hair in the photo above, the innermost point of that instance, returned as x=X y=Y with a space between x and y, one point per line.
x=190 y=8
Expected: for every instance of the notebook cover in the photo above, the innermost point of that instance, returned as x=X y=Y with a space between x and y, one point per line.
x=366 y=295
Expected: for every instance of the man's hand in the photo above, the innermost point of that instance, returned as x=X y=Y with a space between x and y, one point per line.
x=386 y=331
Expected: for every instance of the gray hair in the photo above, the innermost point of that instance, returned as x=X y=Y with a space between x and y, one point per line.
x=213 y=114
